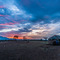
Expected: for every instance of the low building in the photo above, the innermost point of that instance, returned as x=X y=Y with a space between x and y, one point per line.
x=55 y=37
x=54 y=40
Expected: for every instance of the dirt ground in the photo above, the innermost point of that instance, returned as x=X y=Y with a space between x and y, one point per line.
x=34 y=50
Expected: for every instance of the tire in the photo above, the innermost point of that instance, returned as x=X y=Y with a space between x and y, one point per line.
x=54 y=43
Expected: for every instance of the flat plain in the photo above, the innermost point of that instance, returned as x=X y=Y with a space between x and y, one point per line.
x=32 y=50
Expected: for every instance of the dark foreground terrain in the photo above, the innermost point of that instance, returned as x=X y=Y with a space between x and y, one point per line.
x=34 y=50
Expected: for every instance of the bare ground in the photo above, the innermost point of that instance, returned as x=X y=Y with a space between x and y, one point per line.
x=34 y=50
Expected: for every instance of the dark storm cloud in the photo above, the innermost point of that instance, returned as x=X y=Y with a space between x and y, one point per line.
x=20 y=31
x=40 y=8
x=25 y=30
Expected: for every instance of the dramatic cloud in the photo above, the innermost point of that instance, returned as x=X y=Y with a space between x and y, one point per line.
x=34 y=18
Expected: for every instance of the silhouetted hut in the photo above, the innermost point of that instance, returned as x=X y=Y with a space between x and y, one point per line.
x=55 y=37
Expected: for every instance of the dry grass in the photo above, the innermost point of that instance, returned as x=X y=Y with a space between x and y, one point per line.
x=34 y=50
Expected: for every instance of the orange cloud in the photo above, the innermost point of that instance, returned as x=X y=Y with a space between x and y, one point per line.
x=21 y=37
x=18 y=37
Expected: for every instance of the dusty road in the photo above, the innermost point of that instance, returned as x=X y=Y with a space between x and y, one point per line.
x=34 y=50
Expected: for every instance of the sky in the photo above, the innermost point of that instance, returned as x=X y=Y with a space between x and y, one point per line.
x=31 y=18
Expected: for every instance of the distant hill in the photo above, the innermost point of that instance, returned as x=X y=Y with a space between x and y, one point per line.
x=4 y=38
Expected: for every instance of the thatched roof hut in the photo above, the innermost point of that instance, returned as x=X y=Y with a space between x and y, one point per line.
x=55 y=37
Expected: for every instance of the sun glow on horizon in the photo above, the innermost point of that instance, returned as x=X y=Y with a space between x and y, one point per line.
x=20 y=37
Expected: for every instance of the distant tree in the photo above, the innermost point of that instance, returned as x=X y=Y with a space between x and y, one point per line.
x=15 y=37
x=24 y=37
